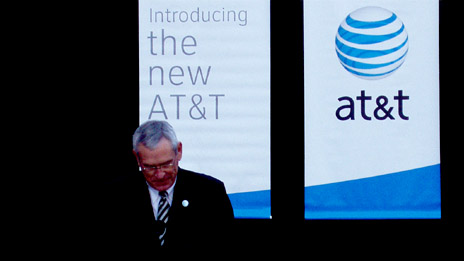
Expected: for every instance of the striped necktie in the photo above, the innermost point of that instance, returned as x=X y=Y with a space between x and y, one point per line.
x=163 y=211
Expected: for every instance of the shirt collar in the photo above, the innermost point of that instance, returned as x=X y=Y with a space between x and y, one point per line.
x=154 y=193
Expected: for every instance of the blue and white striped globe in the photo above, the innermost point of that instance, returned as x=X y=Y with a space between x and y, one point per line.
x=371 y=43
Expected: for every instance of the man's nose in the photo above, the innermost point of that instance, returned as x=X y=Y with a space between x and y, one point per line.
x=159 y=174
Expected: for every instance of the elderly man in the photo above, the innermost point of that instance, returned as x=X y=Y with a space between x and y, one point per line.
x=167 y=206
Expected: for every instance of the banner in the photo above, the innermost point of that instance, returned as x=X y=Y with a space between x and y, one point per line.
x=205 y=68
x=371 y=109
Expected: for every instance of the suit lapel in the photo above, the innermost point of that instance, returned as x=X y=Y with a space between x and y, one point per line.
x=179 y=222
x=180 y=195
x=146 y=208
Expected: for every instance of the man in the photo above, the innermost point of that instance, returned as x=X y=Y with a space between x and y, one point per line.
x=167 y=207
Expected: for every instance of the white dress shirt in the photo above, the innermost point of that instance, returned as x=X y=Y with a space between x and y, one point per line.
x=155 y=197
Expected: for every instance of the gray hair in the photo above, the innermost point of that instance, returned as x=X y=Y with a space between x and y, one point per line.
x=151 y=132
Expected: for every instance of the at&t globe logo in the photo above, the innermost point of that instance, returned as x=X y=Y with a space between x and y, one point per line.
x=371 y=43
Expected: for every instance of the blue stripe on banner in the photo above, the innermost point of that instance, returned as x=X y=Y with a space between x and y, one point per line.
x=366 y=38
x=255 y=204
x=368 y=66
x=370 y=74
x=365 y=54
x=360 y=65
x=369 y=25
x=412 y=194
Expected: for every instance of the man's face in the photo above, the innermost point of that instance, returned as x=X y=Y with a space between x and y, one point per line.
x=159 y=165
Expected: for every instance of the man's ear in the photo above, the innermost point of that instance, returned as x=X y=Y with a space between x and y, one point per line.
x=136 y=156
x=179 y=151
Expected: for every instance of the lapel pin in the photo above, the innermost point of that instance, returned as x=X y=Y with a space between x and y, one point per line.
x=185 y=203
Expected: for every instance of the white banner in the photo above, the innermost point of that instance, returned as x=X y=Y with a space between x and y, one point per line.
x=205 y=68
x=371 y=99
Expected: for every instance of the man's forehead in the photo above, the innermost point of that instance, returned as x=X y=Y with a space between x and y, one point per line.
x=162 y=148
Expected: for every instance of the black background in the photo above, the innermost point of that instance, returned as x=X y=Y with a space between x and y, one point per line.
x=88 y=70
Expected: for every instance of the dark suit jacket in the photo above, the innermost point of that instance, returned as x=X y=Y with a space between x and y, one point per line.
x=128 y=220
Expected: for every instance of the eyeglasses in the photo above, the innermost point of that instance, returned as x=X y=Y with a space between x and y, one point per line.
x=163 y=167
